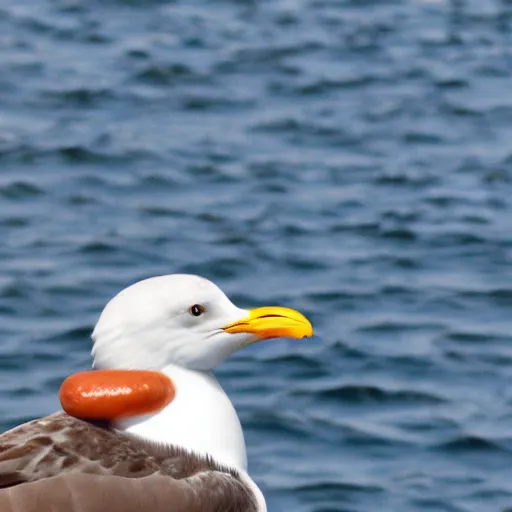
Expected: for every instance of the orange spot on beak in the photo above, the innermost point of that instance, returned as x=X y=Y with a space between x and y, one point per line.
x=115 y=394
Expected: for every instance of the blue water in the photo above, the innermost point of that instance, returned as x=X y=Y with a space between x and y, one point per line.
x=349 y=158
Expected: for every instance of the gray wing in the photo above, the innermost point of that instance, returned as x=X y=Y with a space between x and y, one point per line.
x=63 y=464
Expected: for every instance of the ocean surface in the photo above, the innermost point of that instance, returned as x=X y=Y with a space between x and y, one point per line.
x=348 y=158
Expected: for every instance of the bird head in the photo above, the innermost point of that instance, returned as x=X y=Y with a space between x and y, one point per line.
x=184 y=320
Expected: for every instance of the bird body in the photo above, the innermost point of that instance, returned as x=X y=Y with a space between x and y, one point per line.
x=183 y=452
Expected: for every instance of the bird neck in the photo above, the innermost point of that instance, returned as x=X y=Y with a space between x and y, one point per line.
x=201 y=418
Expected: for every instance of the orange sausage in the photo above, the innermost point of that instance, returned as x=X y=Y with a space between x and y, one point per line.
x=115 y=394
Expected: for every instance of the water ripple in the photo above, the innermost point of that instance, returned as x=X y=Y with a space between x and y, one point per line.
x=347 y=158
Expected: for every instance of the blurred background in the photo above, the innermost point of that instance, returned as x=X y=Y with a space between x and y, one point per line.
x=349 y=158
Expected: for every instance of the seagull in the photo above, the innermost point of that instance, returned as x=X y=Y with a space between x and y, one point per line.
x=167 y=438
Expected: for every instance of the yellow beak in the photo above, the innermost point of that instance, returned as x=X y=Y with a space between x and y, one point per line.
x=273 y=322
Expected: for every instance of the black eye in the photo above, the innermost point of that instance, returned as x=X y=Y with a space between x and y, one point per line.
x=196 y=309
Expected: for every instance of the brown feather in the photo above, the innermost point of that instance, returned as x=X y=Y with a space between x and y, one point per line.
x=61 y=463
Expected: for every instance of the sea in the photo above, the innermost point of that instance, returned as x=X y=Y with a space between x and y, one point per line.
x=351 y=159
